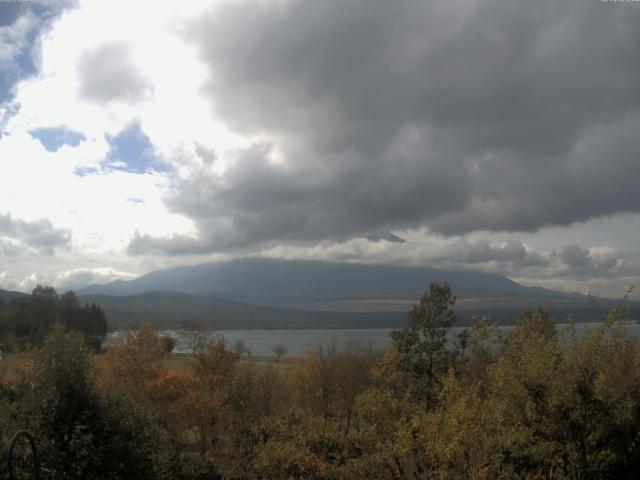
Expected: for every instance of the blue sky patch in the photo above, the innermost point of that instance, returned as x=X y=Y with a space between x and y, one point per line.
x=54 y=138
x=131 y=151
x=23 y=64
x=7 y=110
x=10 y=11
x=85 y=171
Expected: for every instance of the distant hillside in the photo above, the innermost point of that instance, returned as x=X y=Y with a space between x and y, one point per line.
x=169 y=309
x=8 y=295
x=280 y=282
x=263 y=293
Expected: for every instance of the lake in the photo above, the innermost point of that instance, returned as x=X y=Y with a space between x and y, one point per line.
x=298 y=342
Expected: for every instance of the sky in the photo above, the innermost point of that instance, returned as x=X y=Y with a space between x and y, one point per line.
x=493 y=135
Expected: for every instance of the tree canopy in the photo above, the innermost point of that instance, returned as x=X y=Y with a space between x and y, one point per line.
x=26 y=321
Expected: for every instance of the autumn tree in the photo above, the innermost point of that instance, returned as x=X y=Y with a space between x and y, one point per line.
x=327 y=383
x=240 y=348
x=195 y=334
x=168 y=343
x=133 y=371
x=135 y=358
x=279 y=351
x=80 y=433
x=213 y=370
x=255 y=394
x=477 y=348
x=422 y=342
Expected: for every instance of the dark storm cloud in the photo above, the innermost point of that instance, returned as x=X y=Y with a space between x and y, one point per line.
x=109 y=73
x=512 y=253
x=457 y=116
x=583 y=263
x=513 y=258
x=40 y=235
x=174 y=245
x=575 y=257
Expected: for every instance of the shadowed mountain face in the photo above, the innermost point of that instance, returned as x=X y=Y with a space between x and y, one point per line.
x=279 y=282
x=7 y=295
x=263 y=293
x=169 y=309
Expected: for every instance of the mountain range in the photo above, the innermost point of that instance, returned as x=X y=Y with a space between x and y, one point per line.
x=8 y=295
x=293 y=282
x=269 y=293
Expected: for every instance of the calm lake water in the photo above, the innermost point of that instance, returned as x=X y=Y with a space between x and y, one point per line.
x=298 y=342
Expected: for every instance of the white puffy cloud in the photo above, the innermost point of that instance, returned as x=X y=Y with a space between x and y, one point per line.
x=25 y=283
x=109 y=73
x=36 y=184
x=81 y=277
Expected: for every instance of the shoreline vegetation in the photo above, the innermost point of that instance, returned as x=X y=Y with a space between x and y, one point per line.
x=535 y=401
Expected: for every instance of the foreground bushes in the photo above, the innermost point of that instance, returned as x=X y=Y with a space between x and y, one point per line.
x=533 y=403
